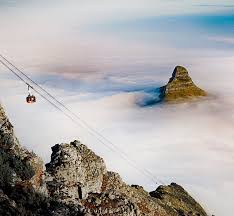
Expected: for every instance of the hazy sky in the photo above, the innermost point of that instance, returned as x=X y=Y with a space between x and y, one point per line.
x=102 y=58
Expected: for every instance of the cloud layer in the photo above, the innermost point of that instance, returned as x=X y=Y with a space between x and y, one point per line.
x=101 y=59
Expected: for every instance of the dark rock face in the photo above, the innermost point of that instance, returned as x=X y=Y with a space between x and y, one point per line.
x=23 y=190
x=77 y=183
x=180 y=87
x=7 y=206
x=25 y=167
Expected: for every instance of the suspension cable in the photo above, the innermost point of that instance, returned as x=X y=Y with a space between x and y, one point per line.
x=56 y=103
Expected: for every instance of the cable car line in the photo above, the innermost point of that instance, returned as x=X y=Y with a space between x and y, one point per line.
x=56 y=103
x=91 y=130
x=35 y=89
x=70 y=111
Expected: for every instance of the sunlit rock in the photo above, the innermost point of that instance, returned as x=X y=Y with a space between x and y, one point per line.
x=76 y=182
x=180 y=87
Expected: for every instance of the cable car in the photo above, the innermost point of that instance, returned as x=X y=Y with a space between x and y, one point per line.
x=30 y=98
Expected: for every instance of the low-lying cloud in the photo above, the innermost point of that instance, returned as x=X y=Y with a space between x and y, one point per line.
x=189 y=143
x=104 y=75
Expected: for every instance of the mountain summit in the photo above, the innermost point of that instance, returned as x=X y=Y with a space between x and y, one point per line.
x=76 y=182
x=180 y=87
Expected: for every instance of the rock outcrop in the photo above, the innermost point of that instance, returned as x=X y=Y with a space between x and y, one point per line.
x=76 y=182
x=26 y=167
x=180 y=87
x=78 y=176
x=77 y=169
x=177 y=197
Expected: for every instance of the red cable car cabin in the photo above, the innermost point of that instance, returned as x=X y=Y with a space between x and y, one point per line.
x=31 y=99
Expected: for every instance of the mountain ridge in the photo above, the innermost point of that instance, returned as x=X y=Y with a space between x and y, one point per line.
x=76 y=182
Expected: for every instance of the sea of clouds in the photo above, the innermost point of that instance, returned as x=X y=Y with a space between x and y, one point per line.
x=101 y=65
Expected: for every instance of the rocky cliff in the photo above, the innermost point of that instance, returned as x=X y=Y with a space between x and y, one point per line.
x=76 y=182
x=180 y=87
x=25 y=167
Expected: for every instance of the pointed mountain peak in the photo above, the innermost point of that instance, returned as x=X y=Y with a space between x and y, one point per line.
x=180 y=87
x=180 y=72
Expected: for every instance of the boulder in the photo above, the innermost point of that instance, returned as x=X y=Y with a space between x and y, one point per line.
x=74 y=172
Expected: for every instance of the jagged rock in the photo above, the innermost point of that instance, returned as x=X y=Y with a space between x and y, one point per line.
x=110 y=203
x=32 y=165
x=179 y=200
x=180 y=87
x=108 y=194
x=8 y=141
x=144 y=203
x=7 y=206
x=77 y=183
x=74 y=171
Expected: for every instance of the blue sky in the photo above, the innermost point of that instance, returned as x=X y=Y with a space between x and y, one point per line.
x=180 y=31
x=102 y=59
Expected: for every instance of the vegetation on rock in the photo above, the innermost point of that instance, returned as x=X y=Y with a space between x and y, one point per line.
x=180 y=87
x=76 y=183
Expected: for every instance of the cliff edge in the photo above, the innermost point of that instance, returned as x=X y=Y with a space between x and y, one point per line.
x=76 y=182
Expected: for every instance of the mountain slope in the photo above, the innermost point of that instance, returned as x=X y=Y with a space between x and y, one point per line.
x=180 y=87
x=76 y=182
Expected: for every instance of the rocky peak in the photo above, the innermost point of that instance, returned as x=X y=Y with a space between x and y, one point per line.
x=180 y=73
x=180 y=87
x=76 y=175
x=31 y=171
x=8 y=141
x=77 y=183
x=77 y=169
x=175 y=194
